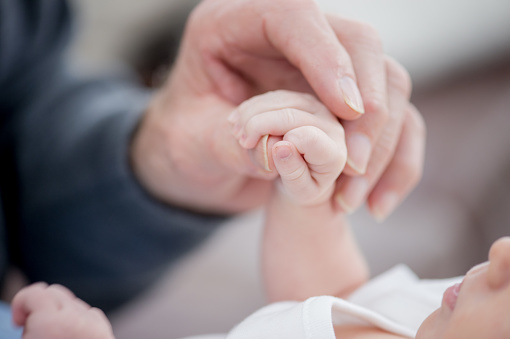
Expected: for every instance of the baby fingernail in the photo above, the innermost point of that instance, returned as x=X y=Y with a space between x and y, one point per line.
x=351 y=193
x=351 y=94
x=283 y=152
x=359 y=151
x=385 y=205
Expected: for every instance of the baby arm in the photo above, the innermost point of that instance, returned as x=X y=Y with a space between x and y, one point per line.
x=53 y=312
x=308 y=248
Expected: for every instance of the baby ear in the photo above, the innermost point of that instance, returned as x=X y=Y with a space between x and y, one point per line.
x=499 y=267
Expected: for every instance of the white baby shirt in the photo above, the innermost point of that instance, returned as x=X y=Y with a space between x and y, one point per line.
x=396 y=301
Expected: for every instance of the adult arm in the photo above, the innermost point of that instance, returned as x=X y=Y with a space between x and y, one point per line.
x=76 y=214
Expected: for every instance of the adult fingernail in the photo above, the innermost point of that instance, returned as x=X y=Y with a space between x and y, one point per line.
x=385 y=205
x=260 y=155
x=351 y=193
x=351 y=94
x=359 y=150
x=265 y=152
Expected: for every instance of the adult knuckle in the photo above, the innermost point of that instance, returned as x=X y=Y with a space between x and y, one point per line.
x=386 y=151
x=398 y=77
x=377 y=105
x=418 y=123
x=411 y=171
x=365 y=34
x=370 y=36
x=387 y=144
x=339 y=134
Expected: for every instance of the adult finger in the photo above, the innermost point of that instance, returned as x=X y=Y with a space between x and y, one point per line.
x=405 y=169
x=300 y=31
x=352 y=191
x=363 y=44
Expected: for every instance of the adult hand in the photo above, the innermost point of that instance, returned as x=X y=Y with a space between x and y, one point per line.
x=394 y=150
x=234 y=49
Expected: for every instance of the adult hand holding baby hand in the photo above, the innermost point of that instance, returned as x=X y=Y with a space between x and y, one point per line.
x=232 y=50
x=304 y=142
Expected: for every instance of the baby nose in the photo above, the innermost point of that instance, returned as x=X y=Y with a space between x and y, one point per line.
x=499 y=267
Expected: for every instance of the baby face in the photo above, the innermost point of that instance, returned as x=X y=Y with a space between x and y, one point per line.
x=479 y=307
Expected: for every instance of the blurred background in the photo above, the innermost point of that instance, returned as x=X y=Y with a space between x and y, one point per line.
x=458 y=55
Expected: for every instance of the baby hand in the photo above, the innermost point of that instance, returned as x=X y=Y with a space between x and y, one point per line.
x=53 y=312
x=306 y=144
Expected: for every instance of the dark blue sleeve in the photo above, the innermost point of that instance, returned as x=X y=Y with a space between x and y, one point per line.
x=74 y=210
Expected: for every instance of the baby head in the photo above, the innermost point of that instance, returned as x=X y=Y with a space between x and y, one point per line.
x=479 y=307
